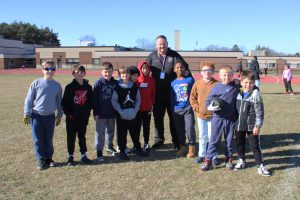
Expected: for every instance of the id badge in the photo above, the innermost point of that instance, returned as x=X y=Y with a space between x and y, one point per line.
x=162 y=75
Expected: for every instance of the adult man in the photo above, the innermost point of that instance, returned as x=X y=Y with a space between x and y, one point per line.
x=162 y=66
x=254 y=67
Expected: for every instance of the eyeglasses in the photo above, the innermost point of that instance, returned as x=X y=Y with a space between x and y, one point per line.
x=208 y=70
x=49 y=68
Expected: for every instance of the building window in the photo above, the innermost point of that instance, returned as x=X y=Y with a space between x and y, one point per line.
x=271 y=65
x=72 y=61
x=96 y=61
x=298 y=65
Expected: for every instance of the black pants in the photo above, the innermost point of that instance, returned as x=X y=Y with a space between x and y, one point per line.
x=266 y=71
x=122 y=127
x=254 y=145
x=185 y=125
x=76 y=127
x=159 y=109
x=287 y=85
x=144 y=117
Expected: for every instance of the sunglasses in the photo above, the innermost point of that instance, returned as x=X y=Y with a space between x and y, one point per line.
x=49 y=68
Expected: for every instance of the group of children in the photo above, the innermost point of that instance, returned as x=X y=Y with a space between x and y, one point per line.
x=220 y=108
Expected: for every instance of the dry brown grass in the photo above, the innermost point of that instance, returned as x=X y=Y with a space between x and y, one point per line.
x=162 y=176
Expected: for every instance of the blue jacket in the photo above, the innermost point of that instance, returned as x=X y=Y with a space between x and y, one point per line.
x=227 y=93
x=103 y=90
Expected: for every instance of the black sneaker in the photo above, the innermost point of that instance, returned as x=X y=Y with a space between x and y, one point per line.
x=123 y=156
x=157 y=145
x=40 y=165
x=147 y=147
x=70 y=161
x=111 y=151
x=207 y=166
x=141 y=153
x=50 y=163
x=85 y=160
x=100 y=157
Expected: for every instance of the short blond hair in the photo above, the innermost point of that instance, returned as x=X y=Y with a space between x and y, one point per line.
x=207 y=63
x=226 y=68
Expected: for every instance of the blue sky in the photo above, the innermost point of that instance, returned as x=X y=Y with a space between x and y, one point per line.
x=215 y=22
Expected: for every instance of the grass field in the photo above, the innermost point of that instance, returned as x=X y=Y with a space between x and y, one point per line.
x=161 y=176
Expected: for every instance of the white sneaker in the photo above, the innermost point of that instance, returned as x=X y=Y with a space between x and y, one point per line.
x=262 y=170
x=241 y=164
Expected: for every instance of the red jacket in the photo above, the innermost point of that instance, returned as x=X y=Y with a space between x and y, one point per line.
x=147 y=88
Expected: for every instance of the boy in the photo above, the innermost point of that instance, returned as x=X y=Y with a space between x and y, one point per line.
x=182 y=111
x=249 y=122
x=200 y=91
x=147 y=88
x=224 y=117
x=43 y=98
x=77 y=105
x=126 y=101
x=104 y=113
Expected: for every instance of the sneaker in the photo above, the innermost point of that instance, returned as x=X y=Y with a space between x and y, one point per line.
x=146 y=147
x=70 y=161
x=40 y=165
x=182 y=151
x=199 y=160
x=286 y=93
x=175 y=147
x=141 y=153
x=216 y=162
x=262 y=170
x=111 y=151
x=123 y=156
x=229 y=164
x=49 y=162
x=128 y=151
x=100 y=157
x=157 y=145
x=207 y=166
x=241 y=164
x=292 y=93
x=85 y=160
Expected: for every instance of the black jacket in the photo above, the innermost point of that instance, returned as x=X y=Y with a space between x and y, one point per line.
x=164 y=85
x=254 y=67
x=77 y=100
x=251 y=111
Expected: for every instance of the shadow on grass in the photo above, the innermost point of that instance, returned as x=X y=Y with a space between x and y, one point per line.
x=287 y=158
x=164 y=153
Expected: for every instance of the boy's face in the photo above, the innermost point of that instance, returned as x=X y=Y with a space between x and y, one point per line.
x=145 y=70
x=134 y=77
x=179 y=69
x=125 y=77
x=107 y=73
x=225 y=76
x=48 y=72
x=78 y=75
x=247 y=84
x=207 y=72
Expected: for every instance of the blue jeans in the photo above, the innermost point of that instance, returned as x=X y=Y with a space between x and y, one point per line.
x=42 y=134
x=204 y=126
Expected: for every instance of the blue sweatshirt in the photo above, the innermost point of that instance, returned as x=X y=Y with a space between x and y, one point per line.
x=103 y=90
x=227 y=93
x=44 y=97
x=180 y=93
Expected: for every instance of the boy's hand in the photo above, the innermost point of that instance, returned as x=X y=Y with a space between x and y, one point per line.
x=26 y=119
x=57 y=121
x=96 y=117
x=256 y=131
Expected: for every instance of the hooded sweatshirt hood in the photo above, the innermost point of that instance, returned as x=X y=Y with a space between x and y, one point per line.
x=142 y=77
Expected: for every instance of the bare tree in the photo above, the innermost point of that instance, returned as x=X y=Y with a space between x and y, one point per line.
x=146 y=44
